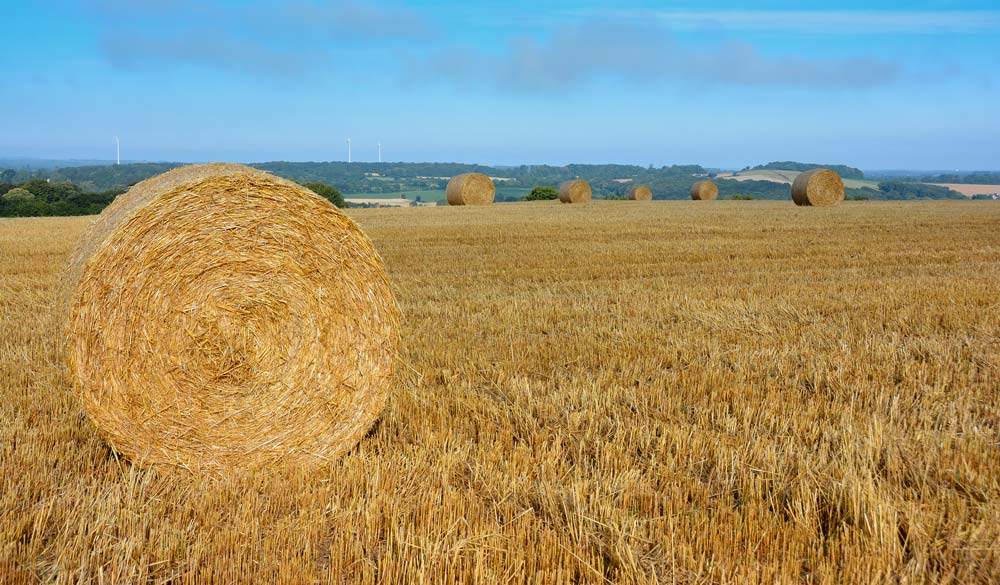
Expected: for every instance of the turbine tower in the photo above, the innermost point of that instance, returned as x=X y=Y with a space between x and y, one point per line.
x=348 y=149
x=118 y=151
x=379 y=152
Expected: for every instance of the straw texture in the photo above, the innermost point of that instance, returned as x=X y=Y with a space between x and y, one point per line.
x=640 y=193
x=575 y=191
x=704 y=191
x=818 y=188
x=470 y=189
x=221 y=317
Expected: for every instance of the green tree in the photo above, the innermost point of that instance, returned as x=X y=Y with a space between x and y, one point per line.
x=8 y=175
x=327 y=192
x=542 y=193
x=18 y=194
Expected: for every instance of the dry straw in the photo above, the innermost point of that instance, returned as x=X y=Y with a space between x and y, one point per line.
x=640 y=193
x=470 y=189
x=704 y=191
x=575 y=191
x=818 y=188
x=222 y=317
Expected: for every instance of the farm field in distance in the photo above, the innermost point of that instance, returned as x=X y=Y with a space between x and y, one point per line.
x=618 y=392
x=428 y=195
x=779 y=176
x=970 y=190
x=425 y=195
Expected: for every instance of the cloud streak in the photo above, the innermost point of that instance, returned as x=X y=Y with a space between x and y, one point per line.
x=302 y=37
x=353 y=18
x=283 y=40
x=576 y=56
x=206 y=48
x=836 y=22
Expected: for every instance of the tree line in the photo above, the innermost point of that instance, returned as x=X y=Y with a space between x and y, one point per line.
x=973 y=178
x=40 y=198
x=361 y=177
x=87 y=190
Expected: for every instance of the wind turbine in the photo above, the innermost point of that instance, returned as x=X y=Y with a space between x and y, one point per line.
x=118 y=151
x=348 y=149
x=379 y=152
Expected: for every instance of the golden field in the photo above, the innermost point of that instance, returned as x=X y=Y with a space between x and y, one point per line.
x=621 y=392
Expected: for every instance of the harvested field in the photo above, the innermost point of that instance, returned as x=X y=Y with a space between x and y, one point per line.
x=970 y=190
x=788 y=177
x=773 y=176
x=727 y=393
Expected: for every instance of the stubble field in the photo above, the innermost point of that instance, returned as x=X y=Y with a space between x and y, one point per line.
x=674 y=392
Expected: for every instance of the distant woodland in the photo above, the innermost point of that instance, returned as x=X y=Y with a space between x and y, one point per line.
x=84 y=190
x=974 y=178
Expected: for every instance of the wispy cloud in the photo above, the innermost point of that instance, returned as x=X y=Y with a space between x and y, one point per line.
x=119 y=9
x=298 y=37
x=578 y=55
x=269 y=38
x=207 y=48
x=833 y=22
x=352 y=18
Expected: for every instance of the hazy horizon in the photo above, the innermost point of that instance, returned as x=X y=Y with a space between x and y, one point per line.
x=97 y=162
x=52 y=162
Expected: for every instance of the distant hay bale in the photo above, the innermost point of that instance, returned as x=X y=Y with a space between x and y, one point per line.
x=705 y=191
x=818 y=188
x=470 y=189
x=640 y=193
x=575 y=191
x=220 y=317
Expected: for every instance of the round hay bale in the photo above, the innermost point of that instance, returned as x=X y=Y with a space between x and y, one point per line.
x=220 y=317
x=818 y=188
x=705 y=191
x=640 y=193
x=470 y=189
x=575 y=191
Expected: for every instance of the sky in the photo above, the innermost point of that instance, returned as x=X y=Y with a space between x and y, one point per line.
x=873 y=84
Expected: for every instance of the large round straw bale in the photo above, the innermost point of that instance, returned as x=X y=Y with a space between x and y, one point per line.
x=705 y=191
x=218 y=317
x=575 y=191
x=640 y=193
x=818 y=188
x=470 y=189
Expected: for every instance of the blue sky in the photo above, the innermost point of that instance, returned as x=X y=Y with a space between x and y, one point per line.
x=874 y=84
